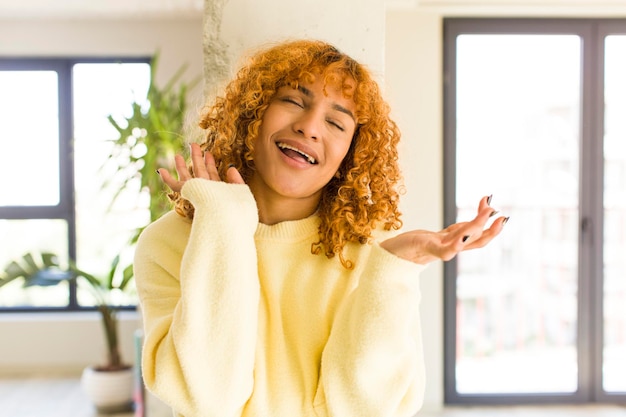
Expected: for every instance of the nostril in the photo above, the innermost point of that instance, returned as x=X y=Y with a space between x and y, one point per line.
x=307 y=130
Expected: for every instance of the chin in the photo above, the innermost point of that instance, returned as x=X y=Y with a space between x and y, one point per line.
x=295 y=190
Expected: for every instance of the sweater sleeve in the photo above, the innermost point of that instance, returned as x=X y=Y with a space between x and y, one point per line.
x=372 y=364
x=199 y=299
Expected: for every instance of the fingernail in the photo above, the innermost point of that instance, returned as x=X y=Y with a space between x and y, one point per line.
x=493 y=213
x=465 y=238
x=489 y=199
x=158 y=172
x=506 y=219
x=231 y=166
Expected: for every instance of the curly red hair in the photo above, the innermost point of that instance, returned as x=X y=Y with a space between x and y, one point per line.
x=363 y=195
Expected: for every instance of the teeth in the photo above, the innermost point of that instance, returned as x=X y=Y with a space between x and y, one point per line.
x=308 y=157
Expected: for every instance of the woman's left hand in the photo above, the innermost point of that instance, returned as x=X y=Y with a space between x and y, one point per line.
x=422 y=246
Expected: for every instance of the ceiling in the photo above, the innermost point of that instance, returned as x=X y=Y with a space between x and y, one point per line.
x=131 y=9
x=81 y=9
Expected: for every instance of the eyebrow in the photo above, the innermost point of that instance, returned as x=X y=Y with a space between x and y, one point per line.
x=335 y=106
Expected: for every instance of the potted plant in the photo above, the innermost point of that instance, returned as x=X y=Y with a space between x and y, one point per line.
x=110 y=384
x=149 y=138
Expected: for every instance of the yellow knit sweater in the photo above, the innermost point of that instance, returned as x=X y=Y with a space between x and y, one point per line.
x=240 y=319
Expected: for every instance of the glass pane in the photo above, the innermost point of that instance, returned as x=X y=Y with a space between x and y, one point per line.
x=30 y=121
x=103 y=232
x=32 y=236
x=614 y=367
x=518 y=99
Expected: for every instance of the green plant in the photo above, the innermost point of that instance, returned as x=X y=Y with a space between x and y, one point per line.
x=149 y=138
x=45 y=270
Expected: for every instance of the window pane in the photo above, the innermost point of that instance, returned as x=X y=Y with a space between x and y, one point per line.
x=518 y=99
x=614 y=367
x=30 y=134
x=32 y=236
x=103 y=232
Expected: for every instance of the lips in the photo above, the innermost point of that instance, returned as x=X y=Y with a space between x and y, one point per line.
x=294 y=151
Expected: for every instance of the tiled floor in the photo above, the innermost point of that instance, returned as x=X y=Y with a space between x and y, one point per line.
x=63 y=397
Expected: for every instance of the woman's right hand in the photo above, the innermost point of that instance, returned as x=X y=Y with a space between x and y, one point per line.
x=203 y=167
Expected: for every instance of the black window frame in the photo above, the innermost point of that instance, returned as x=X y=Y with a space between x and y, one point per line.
x=66 y=208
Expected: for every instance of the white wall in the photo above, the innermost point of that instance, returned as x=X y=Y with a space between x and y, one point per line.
x=179 y=40
x=357 y=27
x=58 y=343
x=413 y=81
x=65 y=343
x=233 y=27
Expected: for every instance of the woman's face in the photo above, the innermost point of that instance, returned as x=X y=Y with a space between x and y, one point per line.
x=304 y=136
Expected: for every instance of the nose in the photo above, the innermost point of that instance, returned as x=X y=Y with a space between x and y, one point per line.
x=308 y=124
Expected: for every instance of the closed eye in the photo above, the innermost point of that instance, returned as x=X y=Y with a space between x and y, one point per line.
x=335 y=124
x=292 y=101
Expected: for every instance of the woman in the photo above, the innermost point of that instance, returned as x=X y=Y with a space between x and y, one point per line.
x=280 y=286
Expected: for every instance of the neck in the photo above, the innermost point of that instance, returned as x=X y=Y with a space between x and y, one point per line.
x=277 y=211
x=275 y=208
x=285 y=204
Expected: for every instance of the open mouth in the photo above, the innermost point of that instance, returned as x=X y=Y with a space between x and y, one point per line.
x=296 y=153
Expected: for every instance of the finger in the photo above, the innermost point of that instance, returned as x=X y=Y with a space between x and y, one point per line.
x=167 y=178
x=456 y=234
x=472 y=230
x=233 y=176
x=485 y=213
x=209 y=163
x=197 y=161
x=462 y=229
x=489 y=234
x=449 y=251
x=454 y=227
x=485 y=202
x=485 y=205
x=181 y=168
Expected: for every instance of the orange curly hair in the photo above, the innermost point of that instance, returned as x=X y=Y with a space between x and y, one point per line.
x=363 y=195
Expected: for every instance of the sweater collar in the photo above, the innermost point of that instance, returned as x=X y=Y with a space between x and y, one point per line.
x=289 y=230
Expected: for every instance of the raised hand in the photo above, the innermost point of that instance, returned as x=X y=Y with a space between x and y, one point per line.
x=203 y=167
x=422 y=246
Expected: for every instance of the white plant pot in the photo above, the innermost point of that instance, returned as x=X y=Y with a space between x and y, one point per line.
x=109 y=391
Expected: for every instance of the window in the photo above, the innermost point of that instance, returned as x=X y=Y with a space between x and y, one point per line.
x=54 y=143
x=534 y=115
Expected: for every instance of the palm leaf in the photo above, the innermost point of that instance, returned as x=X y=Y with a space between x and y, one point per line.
x=48 y=277
x=127 y=276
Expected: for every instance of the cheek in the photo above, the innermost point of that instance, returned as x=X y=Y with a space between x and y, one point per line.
x=260 y=141
x=273 y=118
x=339 y=152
